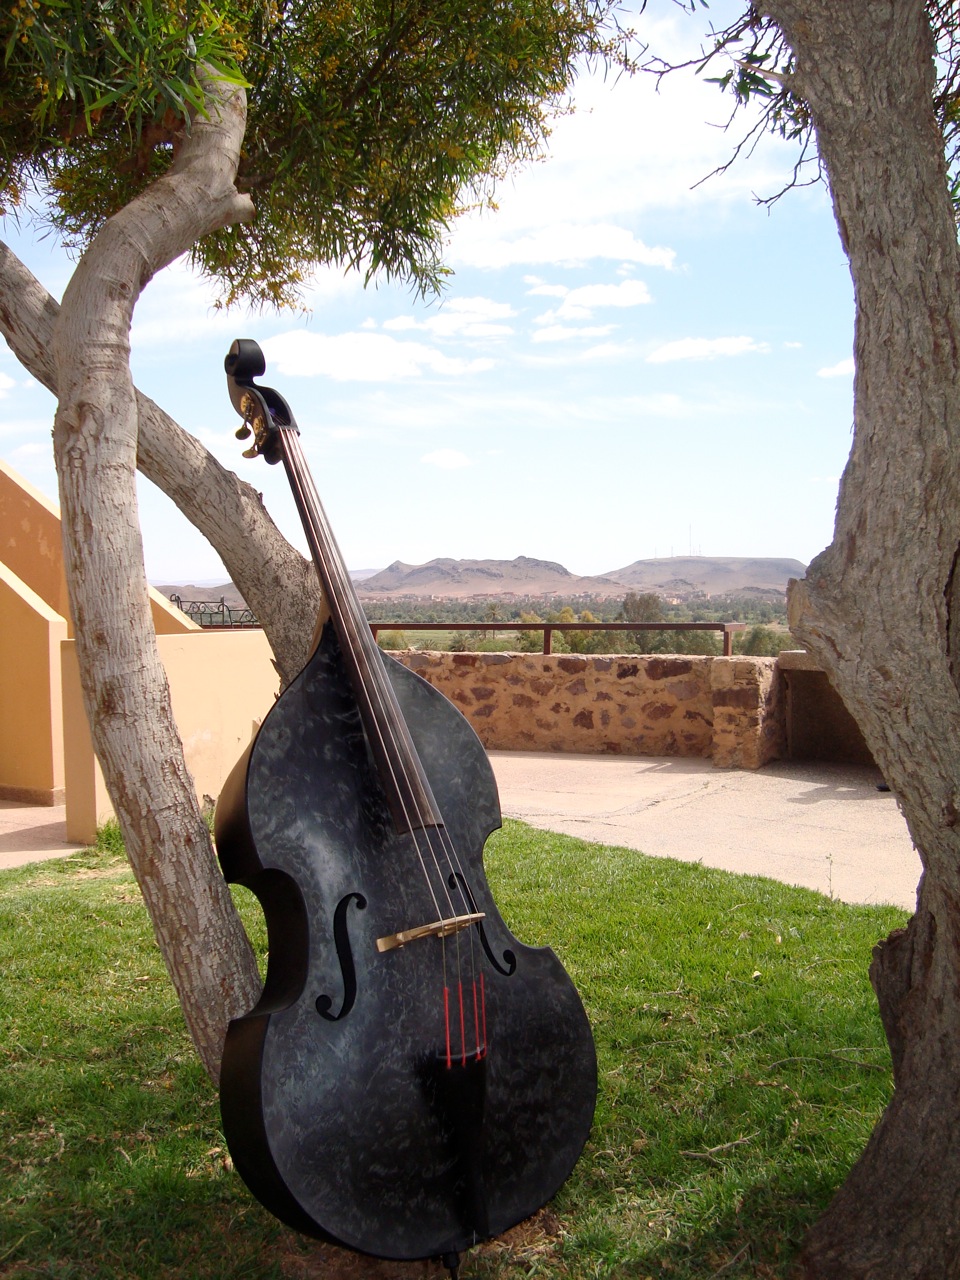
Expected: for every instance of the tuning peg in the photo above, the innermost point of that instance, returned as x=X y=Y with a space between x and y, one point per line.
x=252 y=452
x=243 y=432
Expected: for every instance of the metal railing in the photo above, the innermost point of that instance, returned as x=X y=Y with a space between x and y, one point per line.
x=548 y=628
x=215 y=613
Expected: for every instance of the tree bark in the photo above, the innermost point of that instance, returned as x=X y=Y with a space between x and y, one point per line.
x=879 y=607
x=124 y=685
x=278 y=584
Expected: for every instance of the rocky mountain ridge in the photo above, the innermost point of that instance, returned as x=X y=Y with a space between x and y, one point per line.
x=673 y=577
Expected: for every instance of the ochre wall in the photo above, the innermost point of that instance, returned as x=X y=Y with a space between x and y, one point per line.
x=222 y=684
x=650 y=705
x=31 y=739
x=30 y=546
x=34 y=619
x=30 y=539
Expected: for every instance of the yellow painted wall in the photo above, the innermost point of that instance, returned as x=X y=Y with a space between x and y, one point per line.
x=31 y=739
x=34 y=620
x=30 y=539
x=222 y=684
x=86 y=796
x=30 y=545
x=167 y=618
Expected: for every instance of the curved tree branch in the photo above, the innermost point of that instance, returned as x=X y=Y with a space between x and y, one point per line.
x=124 y=685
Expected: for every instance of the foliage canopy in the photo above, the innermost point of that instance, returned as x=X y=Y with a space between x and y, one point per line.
x=367 y=119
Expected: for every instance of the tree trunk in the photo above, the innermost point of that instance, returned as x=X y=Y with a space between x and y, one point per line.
x=278 y=584
x=124 y=685
x=879 y=607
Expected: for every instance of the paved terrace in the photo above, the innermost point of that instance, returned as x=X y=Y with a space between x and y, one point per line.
x=823 y=826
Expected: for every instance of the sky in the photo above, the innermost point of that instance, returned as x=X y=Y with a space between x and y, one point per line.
x=628 y=362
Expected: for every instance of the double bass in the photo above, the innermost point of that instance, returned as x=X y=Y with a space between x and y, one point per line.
x=413 y=1079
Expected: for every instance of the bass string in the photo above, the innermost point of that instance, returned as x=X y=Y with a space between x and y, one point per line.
x=342 y=601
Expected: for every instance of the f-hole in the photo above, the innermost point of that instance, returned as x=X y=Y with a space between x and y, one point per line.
x=457 y=881
x=341 y=940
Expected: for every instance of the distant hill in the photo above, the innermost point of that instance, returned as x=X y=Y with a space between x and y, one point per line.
x=674 y=576
x=523 y=576
x=714 y=575
x=194 y=591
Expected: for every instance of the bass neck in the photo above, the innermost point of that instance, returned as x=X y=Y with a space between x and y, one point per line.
x=409 y=796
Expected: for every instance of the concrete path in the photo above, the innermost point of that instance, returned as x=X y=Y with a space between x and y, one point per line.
x=826 y=827
x=31 y=833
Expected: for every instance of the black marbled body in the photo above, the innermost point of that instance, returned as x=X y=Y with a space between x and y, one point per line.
x=336 y=1106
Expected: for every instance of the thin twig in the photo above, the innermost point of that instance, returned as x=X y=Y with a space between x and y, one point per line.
x=701 y=1155
x=710 y=1154
x=837 y=1054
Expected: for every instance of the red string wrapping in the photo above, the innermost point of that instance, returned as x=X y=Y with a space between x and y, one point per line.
x=479 y=1023
x=446 y=1022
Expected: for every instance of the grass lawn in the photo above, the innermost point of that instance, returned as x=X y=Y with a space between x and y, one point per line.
x=742 y=1066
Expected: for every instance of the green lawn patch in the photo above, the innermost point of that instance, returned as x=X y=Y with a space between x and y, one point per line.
x=742 y=1067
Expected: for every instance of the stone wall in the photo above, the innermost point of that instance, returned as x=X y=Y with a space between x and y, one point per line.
x=729 y=709
x=748 y=712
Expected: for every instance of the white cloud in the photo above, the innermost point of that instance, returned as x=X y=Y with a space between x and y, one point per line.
x=189 y=317
x=579 y=304
x=665 y=405
x=360 y=357
x=447 y=459
x=12 y=428
x=565 y=333
x=461 y=318
x=561 y=244
x=178 y=306
x=843 y=369
x=566 y=357
x=6 y=384
x=607 y=351
x=32 y=450
x=705 y=349
x=630 y=147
